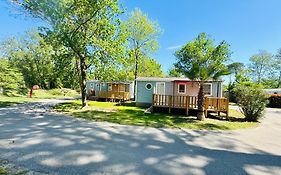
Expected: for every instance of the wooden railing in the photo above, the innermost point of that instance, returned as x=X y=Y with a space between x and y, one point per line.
x=114 y=95
x=190 y=102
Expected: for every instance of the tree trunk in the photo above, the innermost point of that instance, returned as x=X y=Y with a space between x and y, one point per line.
x=200 y=103
x=136 y=73
x=83 y=81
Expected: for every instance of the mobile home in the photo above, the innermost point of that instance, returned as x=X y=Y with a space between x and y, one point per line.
x=109 y=90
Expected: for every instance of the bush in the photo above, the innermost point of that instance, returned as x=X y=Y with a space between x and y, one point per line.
x=252 y=100
x=274 y=101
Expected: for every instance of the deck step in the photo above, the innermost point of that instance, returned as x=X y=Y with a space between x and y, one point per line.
x=149 y=110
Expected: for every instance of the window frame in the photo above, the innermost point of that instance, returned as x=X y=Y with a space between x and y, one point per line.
x=109 y=89
x=184 y=88
x=211 y=89
x=148 y=88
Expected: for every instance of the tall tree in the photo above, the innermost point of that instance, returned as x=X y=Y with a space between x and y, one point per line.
x=202 y=60
x=85 y=27
x=235 y=68
x=33 y=57
x=174 y=72
x=11 y=79
x=277 y=67
x=260 y=65
x=143 y=36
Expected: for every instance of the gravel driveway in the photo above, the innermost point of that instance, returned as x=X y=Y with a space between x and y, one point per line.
x=33 y=137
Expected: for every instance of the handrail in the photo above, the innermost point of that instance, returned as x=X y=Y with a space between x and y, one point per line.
x=218 y=104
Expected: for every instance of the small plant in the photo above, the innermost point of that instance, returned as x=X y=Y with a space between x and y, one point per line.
x=252 y=100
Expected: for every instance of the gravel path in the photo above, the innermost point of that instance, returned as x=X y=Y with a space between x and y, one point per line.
x=32 y=136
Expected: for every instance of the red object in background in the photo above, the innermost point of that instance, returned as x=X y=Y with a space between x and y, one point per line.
x=30 y=93
x=35 y=87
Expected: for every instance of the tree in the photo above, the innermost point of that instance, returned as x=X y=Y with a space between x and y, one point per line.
x=149 y=67
x=125 y=70
x=11 y=80
x=252 y=100
x=33 y=57
x=88 y=28
x=235 y=68
x=260 y=65
x=202 y=60
x=142 y=36
x=173 y=72
x=40 y=62
x=277 y=67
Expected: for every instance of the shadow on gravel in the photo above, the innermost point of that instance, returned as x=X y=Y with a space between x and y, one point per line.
x=51 y=143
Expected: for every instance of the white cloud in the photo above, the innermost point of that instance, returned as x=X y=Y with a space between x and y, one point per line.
x=174 y=47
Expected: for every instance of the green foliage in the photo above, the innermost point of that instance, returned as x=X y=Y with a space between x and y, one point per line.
x=202 y=60
x=11 y=80
x=142 y=32
x=174 y=72
x=260 y=65
x=252 y=100
x=86 y=28
x=235 y=68
x=277 y=69
x=274 y=101
x=143 y=39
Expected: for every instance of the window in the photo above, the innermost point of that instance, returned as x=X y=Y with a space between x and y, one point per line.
x=127 y=88
x=148 y=86
x=181 y=88
x=121 y=87
x=109 y=87
x=207 y=87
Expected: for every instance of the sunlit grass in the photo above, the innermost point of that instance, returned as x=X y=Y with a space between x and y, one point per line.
x=3 y=171
x=128 y=114
x=8 y=101
x=37 y=95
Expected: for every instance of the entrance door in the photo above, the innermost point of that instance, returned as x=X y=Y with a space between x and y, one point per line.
x=160 y=88
x=160 y=91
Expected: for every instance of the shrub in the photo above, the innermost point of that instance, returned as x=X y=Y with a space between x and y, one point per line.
x=275 y=101
x=252 y=100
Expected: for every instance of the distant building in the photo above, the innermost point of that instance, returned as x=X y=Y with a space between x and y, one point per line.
x=273 y=91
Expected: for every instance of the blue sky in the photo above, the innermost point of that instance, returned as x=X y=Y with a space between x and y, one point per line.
x=247 y=25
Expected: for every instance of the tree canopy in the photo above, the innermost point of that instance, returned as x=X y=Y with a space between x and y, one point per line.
x=87 y=28
x=202 y=60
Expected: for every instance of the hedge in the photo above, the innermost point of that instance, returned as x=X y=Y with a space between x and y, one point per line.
x=274 y=101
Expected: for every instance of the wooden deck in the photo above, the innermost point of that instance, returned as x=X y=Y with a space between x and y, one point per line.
x=113 y=95
x=213 y=104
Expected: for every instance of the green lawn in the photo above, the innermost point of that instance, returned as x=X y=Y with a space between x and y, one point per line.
x=128 y=114
x=7 y=101
x=37 y=95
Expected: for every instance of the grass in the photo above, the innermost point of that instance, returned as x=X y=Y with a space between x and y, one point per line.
x=3 y=171
x=128 y=114
x=8 y=101
x=37 y=95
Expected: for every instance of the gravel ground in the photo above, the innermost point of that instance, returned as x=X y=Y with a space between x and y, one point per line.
x=33 y=137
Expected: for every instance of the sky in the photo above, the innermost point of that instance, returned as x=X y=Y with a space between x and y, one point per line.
x=247 y=25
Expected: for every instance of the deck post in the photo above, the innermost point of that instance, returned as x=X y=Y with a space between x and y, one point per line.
x=227 y=107
x=170 y=103
x=206 y=106
x=187 y=104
